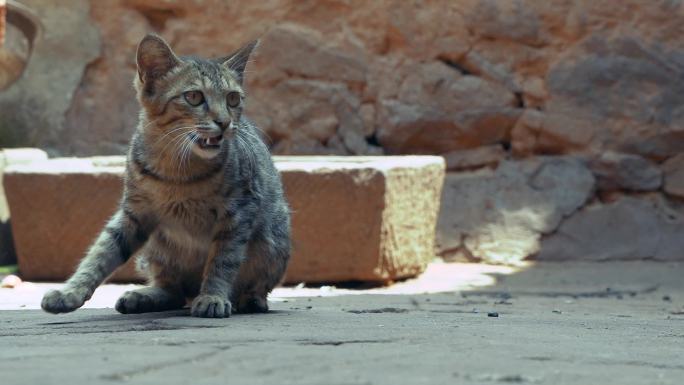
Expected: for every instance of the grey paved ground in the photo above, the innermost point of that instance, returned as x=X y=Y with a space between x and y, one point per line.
x=557 y=324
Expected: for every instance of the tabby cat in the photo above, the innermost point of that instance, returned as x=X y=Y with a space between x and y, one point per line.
x=203 y=205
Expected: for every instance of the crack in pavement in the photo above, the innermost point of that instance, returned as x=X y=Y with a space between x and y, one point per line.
x=338 y=343
x=381 y=310
x=608 y=293
x=642 y=364
x=95 y=329
x=127 y=375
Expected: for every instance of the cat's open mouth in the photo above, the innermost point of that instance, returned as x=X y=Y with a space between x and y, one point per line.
x=211 y=142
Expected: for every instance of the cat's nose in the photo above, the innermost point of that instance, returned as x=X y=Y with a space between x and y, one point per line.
x=223 y=124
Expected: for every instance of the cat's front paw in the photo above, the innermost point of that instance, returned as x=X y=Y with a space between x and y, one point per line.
x=62 y=301
x=211 y=306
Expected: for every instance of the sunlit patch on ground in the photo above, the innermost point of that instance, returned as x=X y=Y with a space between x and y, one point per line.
x=439 y=277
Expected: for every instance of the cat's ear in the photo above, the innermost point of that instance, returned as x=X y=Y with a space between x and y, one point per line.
x=154 y=58
x=237 y=61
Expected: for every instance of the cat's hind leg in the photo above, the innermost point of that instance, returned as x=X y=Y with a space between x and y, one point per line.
x=149 y=299
x=262 y=270
x=165 y=292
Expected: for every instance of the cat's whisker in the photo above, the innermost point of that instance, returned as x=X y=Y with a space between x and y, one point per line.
x=185 y=157
x=173 y=130
x=251 y=135
x=151 y=122
x=172 y=141
x=176 y=129
x=178 y=154
x=179 y=143
x=238 y=141
x=264 y=135
x=183 y=164
x=249 y=152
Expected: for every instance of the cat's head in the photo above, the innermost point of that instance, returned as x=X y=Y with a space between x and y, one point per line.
x=190 y=104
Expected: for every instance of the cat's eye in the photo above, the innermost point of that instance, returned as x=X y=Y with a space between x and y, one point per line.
x=194 y=98
x=233 y=99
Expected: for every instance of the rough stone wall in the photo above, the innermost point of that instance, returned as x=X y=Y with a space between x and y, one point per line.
x=556 y=117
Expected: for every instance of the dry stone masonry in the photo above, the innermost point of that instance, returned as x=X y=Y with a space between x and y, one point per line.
x=555 y=117
x=500 y=215
x=335 y=77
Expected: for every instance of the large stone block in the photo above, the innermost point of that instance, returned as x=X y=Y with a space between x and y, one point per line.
x=57 y=208
x=354 y=218
x=9 y=157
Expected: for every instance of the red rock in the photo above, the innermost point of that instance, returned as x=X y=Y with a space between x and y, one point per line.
x=475 y=158
x=626 y=229
x=616 y=171
x=499 y=216
x=674 y=176
x=413 y=77
x=438 y=109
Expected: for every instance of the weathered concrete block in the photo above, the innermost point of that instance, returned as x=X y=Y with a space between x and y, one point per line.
x=8 y=157
x=57 y=208
x=354 y=218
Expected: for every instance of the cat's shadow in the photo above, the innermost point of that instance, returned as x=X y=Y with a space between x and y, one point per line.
x=163 y=320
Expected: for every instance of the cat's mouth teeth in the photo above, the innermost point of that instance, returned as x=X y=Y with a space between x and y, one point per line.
x=209 y=142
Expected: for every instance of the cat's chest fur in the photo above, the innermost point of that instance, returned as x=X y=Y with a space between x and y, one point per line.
x=188 y=217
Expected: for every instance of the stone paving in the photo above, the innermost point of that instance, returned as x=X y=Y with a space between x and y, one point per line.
x=617 y=323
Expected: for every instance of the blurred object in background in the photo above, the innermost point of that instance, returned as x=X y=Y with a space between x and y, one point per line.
x=3 y=11
x=33 y=108
x=19 y=29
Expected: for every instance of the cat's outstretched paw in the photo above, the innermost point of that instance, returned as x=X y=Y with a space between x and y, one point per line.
x=211 y=306
x=62 y=301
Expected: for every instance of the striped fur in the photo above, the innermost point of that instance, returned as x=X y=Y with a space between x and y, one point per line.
x=207 y=223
